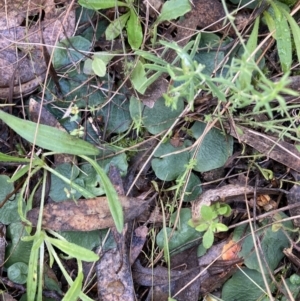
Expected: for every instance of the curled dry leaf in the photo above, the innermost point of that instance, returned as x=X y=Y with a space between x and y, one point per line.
x=85 y=215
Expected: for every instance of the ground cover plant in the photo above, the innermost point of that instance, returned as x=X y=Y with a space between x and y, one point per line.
x=153 y=154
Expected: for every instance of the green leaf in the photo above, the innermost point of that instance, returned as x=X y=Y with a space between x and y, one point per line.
x=99 y=67
x=214 y=150
x=7 y=158
x=48 y=137
x=59 y=189
x=272 y=244
x=283 y=38
x=240 y=287
x=295 y=30
x=89 y=240
x=202 y=227
x=18 y=272
x=252 y=41
x=207 y=213
x=182 y=234
x=170 y=167
x=115 y=27
x=69 y=51
x=134 y=31
x=161 y=117
x=219 y=227
x=193 y=189
x=208 y=238
x=116 y=115
x=173 y=9
x=75 y=289
x=115 y=206
x=101 y=4
x=17 y=249
x=5 y=187
x=74 y=250
x=138 y=77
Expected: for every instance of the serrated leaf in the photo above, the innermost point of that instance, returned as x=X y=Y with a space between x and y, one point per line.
x=115 y=27
x=134 y=31
x=102 y=4
x=173 y=9
x=48 y=137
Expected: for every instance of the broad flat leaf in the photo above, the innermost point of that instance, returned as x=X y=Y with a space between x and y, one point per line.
x=240 y=287
x=18 y=272
x=116 y=115
x=5 y=187
x=214 y=150
x=101 y=4
x=115 y=27
x=193 y=189
x=173 y=9
x=65 y=54
x=48 y=137
x=89 y=240
x=161 y=117
x=60 y=190
x=171 y=167
x=134 y=31
x=272 y=244
x=99 y=67
x=182 y=235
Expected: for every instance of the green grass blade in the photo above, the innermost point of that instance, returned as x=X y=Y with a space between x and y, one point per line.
x=295 y=31
x=48 y=137
x=75 y=289
x=283 y=38
x=114 y=204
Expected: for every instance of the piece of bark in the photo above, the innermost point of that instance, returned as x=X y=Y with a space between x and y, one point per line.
x=272 y=147
x=187 y=260
x=85 y=215
x=113 y=271
x=293 y=198
x=138 y=240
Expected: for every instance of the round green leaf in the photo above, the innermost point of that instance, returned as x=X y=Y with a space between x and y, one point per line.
x=182 y=235
x=208 y=238
x=161 y=117
x=215 y=148
x=240 y=287
x=65 y=54
x=170 y=167
x=18 y=272
x=99 y=67
x=5 y=187
x=193 y=189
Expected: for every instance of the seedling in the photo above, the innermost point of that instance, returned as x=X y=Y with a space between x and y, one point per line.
x=210 y=222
